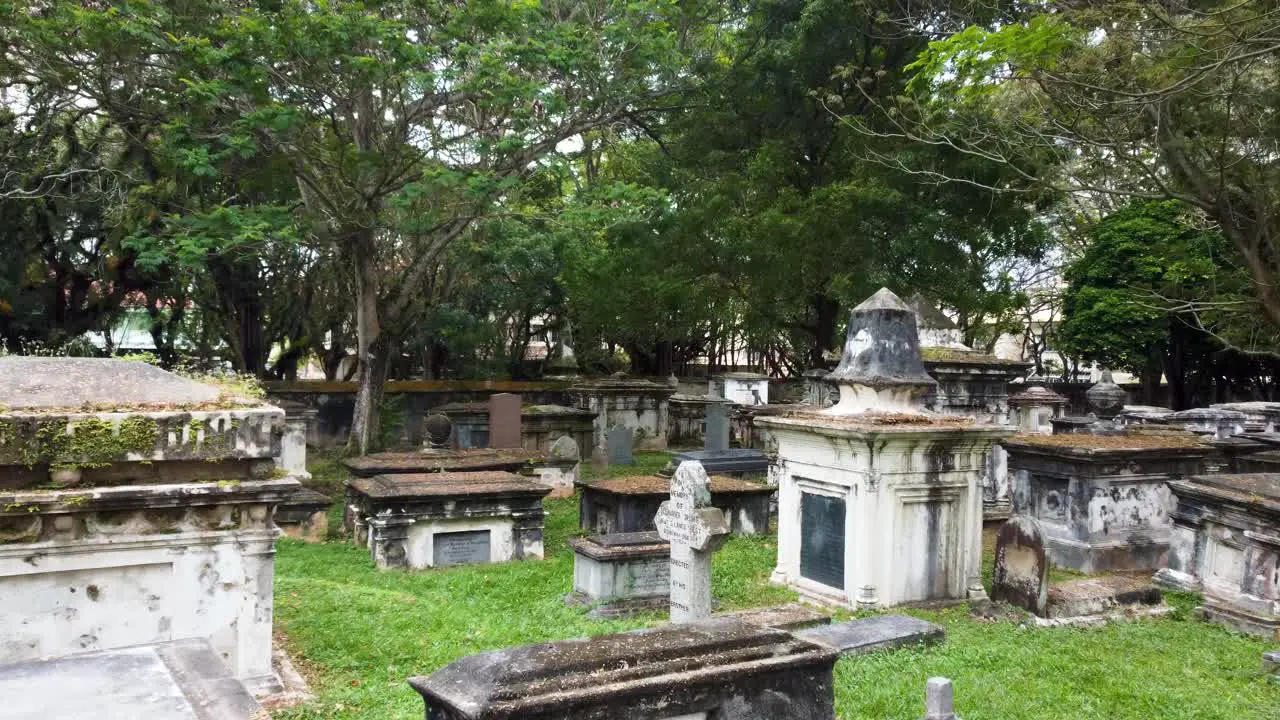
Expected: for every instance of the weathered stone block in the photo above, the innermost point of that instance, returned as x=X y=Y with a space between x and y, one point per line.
x=881 y=632
x=626 y=567
x=629 y=504
x=439 y=519
x=721 y=668
x=1022 y=568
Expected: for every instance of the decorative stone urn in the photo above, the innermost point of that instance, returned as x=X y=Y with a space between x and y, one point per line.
x=879 y=501
x=1106 y=398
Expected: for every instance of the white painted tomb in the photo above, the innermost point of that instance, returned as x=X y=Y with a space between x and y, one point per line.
x=879 y=502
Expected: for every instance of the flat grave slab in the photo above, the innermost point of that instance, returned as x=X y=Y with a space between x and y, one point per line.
x=1097 y=596
x=182 y=680
x=882 y=632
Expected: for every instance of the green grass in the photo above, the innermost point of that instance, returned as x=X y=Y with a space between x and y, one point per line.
x=646 y=463
x=359 y=633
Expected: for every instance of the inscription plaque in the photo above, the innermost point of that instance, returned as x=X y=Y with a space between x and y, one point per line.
x=460 y=548
x=822 y=539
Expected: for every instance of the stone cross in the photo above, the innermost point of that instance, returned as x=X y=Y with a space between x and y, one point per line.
x=695 y=531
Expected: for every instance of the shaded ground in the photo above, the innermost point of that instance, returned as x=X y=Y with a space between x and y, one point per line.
x=361 y=632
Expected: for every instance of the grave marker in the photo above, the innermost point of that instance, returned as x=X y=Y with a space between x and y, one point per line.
x=716 y=436
x=621 y=443
x=695 y=531
x=504 y=421
x=939 y=703
x=1022 y=569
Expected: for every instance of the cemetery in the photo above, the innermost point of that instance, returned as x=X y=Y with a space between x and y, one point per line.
x=547 y=360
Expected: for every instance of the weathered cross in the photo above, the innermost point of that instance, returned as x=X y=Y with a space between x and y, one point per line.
x=695 y=530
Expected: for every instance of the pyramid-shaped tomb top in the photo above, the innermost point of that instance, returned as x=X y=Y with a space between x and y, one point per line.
x=44 y=383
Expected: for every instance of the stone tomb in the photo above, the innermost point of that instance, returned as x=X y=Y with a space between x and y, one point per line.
x=1102 y=500
x=629 y=504
x=136 y=507
x=305 y=515
x=743 y=463
x=742 y=388
x=540 y=425
x=557 y=470
x=621 y=573
x=879 y=502
x=721 y=668
x=444 y=519
x=641 y=405
x=1226 y=545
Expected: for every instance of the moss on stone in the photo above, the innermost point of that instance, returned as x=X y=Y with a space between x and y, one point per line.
x=91 y=442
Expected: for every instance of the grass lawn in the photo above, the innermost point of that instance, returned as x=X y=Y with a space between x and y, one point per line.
x=359 y=633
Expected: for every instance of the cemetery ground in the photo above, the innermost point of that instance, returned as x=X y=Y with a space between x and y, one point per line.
x=358 y=632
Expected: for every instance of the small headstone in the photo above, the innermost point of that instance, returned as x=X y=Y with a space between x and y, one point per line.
x=695 y=531
x=599 y=461
x=1022 y=568
x=621 y=443
x=1271 y=664
x=504 y=421
x=939 y=699
x=565 y=448
x=717 y=430
x=439 y=429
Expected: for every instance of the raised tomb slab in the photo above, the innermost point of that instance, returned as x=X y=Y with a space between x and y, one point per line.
x=136 y=507
x=443 y=519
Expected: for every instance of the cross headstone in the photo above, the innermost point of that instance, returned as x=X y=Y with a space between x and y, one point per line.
x=504 y=421
x=1022 y=567
x=695 y=531
x=716 y=436
x=620 y=443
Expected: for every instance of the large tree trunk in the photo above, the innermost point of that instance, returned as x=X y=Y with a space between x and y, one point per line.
x=825 y=313
x=372 y=347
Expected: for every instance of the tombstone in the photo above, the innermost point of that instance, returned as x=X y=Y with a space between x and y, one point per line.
x=1271 y=664
x=695 y=531
x=504 y=421
x=939 y=700
x=620 y=443
x=1022 y=569
x=599 y=461
x=717 y=428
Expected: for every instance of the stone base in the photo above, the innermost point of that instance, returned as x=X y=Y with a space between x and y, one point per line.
x=618 y=608
x=791 y=616
x=1101 y=595
x=1099 y=557
x=1264 y=626
x=1176 y=581
x=622 y=567
x=996 y=511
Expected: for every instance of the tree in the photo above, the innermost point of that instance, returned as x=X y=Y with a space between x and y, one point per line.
x=1144 y=259
x=1140 y=98
x=402 y=122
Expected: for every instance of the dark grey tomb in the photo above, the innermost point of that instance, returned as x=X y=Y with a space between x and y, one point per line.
x=460 y=548
x=822 y=539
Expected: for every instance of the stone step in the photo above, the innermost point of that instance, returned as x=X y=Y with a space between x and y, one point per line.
x=180 y=680
x=880 y=632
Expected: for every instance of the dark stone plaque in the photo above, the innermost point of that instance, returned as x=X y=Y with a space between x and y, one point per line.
x=717 y=428
x=621 y=440
x=460 y=548
x=822 y=539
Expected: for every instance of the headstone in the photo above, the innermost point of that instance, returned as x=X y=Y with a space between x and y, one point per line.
x=439 y=429
x=1022 y=569
x=565 y=448
x=1271 y=664
x=695 y=530
x=599 y=461
x=881 y=632
x=504 y=421
x=621 y=443
x=939 y=700
x=717 y=431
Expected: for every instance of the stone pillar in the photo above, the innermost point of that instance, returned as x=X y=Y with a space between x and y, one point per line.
x=939 y=700
x=293 y=448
